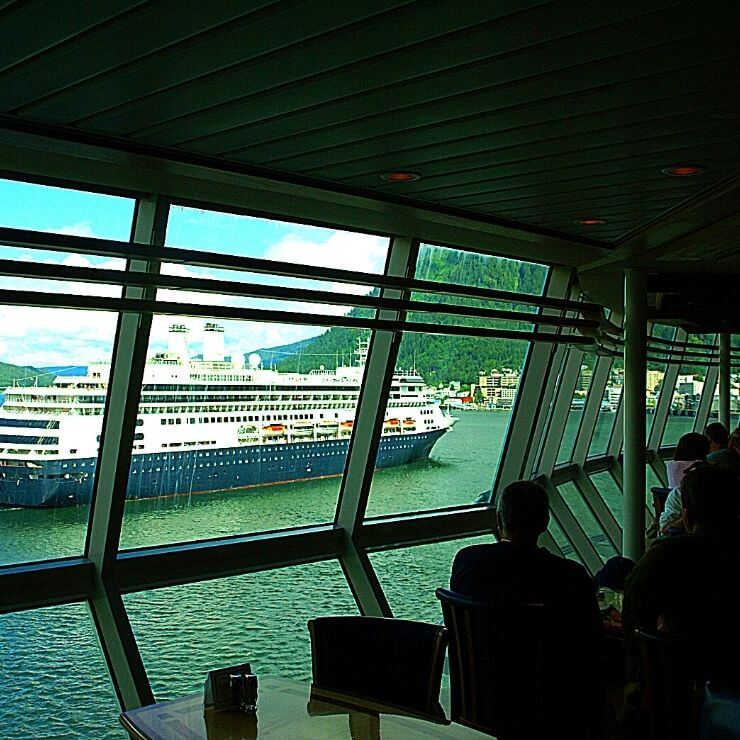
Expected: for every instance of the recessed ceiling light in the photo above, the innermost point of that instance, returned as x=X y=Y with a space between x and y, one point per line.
x=683 y=170
x=400 y=176
x=590 y=221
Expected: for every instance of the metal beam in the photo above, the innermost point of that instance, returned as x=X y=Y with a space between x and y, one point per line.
x=665 y=398
x=363 y=447
x=592 y=408
x=111 y=480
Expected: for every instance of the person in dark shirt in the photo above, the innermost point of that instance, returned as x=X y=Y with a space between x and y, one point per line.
x=729 y=457
x=686 y=585
x=516 y=571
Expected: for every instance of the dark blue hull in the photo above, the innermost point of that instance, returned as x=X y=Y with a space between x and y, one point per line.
x=70 y=482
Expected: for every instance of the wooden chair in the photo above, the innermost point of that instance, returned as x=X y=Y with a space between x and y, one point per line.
x=395 y=664
x=516 y=671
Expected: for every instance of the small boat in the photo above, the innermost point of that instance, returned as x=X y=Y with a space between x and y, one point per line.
x=327 y=427
x=392 y=425
x=409 y=424
x=302 y=429
x=345 y=427
x=273 y=430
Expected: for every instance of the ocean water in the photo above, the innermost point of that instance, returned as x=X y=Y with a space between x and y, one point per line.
x=52 y=675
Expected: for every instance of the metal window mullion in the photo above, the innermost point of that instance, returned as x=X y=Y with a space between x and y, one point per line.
x=106 y=514
x=532 y=400
x=567 y=521
x=560 y=412
x=706 y=400
x=363 y=447
x=665 y=398
x=602 y=513
x=592 y=407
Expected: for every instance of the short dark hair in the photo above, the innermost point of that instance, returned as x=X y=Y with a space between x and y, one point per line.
x=734 y=439
x=524 y=508
x=717 y=433
x=692 y=446
x=711 y=496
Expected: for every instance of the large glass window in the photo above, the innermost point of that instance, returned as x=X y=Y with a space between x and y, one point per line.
x=451 y=397
x=575 y=413
x=185 y=631
x=610 y=492
x=687 y=393
x=53 y=677
x=582 y=512
x=53 y=369
x=244 y=426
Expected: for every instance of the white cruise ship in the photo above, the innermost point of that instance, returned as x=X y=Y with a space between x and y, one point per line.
x=209 y=424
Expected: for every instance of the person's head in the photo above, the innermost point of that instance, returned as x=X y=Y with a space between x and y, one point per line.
x=733 y=443
x=710 y=498
x=523 y=511
x=692 y=446
x=716 y=432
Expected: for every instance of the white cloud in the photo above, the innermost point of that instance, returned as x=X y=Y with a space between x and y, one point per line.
x=81 y=228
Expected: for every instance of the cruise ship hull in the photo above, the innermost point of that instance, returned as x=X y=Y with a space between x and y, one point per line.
x=69 y=482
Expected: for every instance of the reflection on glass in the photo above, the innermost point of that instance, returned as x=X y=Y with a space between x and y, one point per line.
x=53 y=375
x=410 y=576
x=185 y=631
x=221 y=420
x=580 y=510
x=53 y=677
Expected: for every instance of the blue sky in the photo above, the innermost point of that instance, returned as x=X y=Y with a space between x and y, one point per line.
x=57 y=337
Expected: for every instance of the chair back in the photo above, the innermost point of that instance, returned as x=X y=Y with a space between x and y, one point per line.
x=669 y=686
x=515 y=672
x=395 y=663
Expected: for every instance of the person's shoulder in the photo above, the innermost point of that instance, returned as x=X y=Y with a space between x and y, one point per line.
x=564 y=567
x=476 y=552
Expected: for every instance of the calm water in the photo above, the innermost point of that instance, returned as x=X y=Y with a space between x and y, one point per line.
x=51 y=672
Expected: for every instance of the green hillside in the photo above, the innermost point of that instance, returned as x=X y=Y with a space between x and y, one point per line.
x=9 y=373
x=439 y=358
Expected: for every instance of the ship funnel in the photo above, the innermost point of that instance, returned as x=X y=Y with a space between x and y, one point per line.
x=213 y=342
x=178 y=341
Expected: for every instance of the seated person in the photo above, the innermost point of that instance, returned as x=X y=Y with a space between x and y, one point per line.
x=686 y=584
x=729 y=457
x=692 y=447
x=516 y=571
x=717 y=434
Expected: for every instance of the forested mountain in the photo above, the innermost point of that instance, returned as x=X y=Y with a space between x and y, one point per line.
x=9 y=373
x=440 y=358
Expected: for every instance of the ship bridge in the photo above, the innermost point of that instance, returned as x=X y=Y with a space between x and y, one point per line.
x=534 y=205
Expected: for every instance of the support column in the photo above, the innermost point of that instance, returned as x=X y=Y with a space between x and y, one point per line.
x=724 y=379
x=633 y=401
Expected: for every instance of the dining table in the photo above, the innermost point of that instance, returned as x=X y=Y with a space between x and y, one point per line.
x=287 y=709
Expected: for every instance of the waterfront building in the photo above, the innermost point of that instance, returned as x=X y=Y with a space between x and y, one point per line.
x=461 y=186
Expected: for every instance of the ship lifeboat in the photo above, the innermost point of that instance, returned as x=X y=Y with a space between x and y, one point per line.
x=409 y=425
x=392 y=425
x=247 y=433
x=327 y=427
x=302 y=429
x=345 y=427
x=273 y=430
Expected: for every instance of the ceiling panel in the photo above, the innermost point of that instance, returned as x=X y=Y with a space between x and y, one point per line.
x=536 y=111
